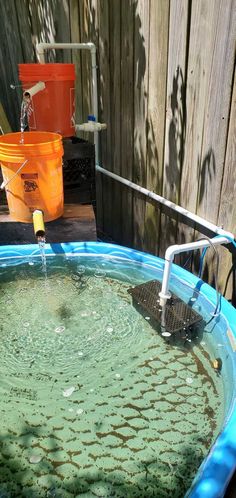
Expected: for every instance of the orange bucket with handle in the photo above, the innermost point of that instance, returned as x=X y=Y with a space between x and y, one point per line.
x=52 y=109
x=32 y=171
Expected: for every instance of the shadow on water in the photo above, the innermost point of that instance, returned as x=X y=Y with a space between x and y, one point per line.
x=47 y=478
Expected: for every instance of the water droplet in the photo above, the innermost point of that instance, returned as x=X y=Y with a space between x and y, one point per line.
x=84 y=314
x=189 y=380
x=68 y=392
x=193 y=299
x=35 y=458
x=60 y=329
x=147 y=317
x=80 y=353
x=166 y=334
x=110 y=329
x=100 y=273
x=31 y=263
x=79 y=411
x=81 y=269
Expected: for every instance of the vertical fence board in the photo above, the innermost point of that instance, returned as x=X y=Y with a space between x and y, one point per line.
x=175 y=116
x=216 y=111
x=141 y=50
x=25 y=30
x=158 y=46
x=104 y=219
x=76 y=58
x=127 y=116
x=115 y=93
x=227 y=211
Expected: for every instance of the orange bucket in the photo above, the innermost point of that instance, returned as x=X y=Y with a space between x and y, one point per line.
x=39 y=184
x=52 y=109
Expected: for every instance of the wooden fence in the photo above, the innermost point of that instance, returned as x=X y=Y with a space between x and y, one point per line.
x=167 y=93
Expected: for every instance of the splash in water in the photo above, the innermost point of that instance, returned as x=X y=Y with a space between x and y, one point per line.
x=41 y=243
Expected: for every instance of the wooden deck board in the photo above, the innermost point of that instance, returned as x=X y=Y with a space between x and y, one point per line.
x=77 y=224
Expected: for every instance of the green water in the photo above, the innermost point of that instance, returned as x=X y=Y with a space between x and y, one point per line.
x=93 y=401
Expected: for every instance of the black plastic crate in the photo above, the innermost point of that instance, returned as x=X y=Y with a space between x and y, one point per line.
x=79 y=168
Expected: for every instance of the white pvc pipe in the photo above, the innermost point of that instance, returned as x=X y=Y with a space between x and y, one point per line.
x=38 y=87
x=40 y=49
x=178 y=209
x=177 y=249
x=174 y=249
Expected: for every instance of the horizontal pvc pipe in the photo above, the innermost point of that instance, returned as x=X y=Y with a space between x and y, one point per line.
x=41 y=47
x=174 y=249
x=178 y=209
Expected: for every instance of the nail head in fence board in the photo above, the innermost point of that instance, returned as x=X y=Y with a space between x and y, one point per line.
x=175 y=117
x=158 y=53
x=141 y=50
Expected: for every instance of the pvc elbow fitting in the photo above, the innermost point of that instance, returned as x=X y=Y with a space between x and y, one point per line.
x=30 y=92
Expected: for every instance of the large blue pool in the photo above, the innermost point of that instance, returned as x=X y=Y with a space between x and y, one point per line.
x=95 y=401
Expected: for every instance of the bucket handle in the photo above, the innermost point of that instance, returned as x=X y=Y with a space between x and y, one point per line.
x=6 y=182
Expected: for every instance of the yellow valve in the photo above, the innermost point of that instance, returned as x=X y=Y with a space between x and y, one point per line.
x=38 y=222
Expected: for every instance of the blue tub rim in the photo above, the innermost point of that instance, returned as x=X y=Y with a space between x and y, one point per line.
x=219 y=465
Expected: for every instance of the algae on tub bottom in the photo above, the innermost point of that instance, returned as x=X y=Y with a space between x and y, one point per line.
x=93 y=401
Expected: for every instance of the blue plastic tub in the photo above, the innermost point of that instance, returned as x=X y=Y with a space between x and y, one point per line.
x=218 y=467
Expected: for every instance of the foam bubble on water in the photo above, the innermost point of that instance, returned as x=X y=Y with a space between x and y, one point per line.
x=166 y=334
x=3 y=265
x=68 y=392
x=84 y=314
x=193 y=299
x=89 y=338
x=31 y=263
x=110 y=329
x=26 y=324
x=100 y=273
x=118 y=376
x=79 y=411
x=189 y=380
x=202 y=343
x=147 y=317
x=81 y=269
x=80 y=353
x=35 y=459
x=91 y=390
x=60 y=329
x=71 y=410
